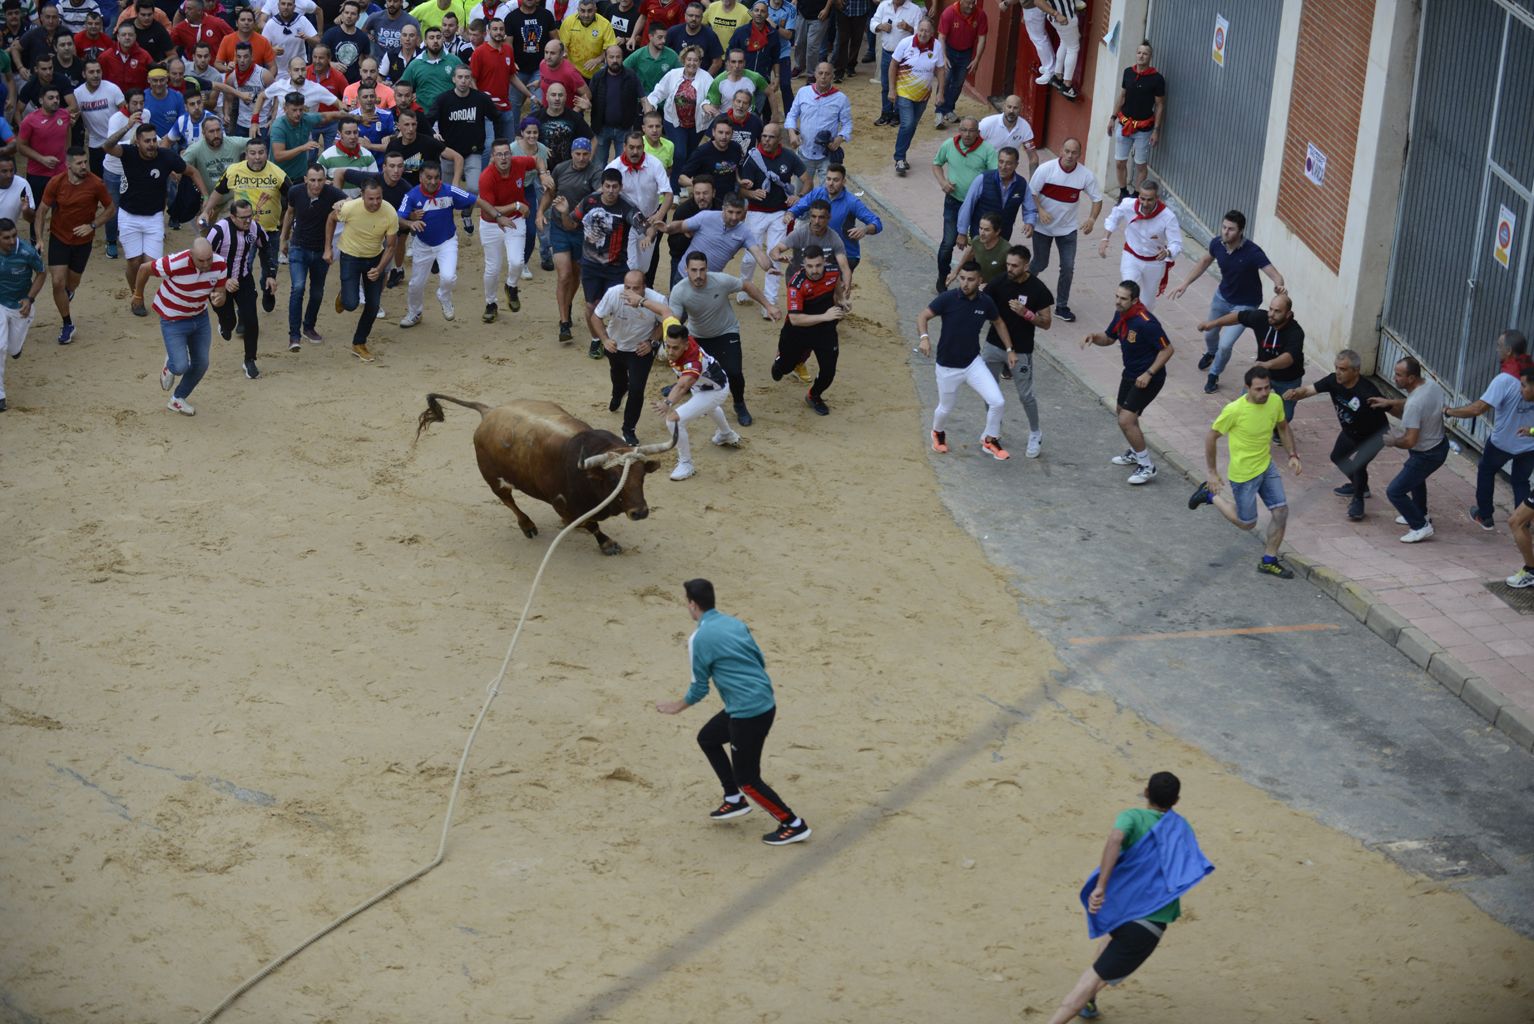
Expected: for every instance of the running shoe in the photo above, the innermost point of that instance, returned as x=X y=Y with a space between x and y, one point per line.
x=1200 y=496
x=1356 y=510
x=1522 y=579
x=630 y=438
x=1064 y=313
x=1127 y=459
x=566 y=334
x=818 y=404
x=294 y=345
x=448 y=313
x=182 y=406
x=250 y=369
x=1035 y=442
x=409 y=320
x=682 y=471
x=940 y=441
x=66 y=334
x=1089 y=1011
x=993 y=448
x=138 y=308
x=1142 y=475
x=527 y=273
x=1275 y=568
x=742 y=414
x=595 y=350
x=111 y=250
x=1346 y=491
x=1206 y=360
x=901 y=167
x=312 y=335
x=726 y=439
x=167 y=379
x=1417 y=536
x=785 y=834
x=1475 y=517
x=1211 y=385
x=726 y=810
x=548 y=263
x=513 y=302
x=490 y=313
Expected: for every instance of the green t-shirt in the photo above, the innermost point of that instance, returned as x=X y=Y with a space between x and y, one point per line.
x=650 y=70
x=292 y=136
x=212 y=163
x=333 y=159
x=1136 y=823
x=431 y=79
x=964 y=168
x=664 y=151
x=1249 y=429
x=993 y=261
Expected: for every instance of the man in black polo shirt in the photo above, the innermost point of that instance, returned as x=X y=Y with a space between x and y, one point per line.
x=817 y=301
x=303 y=243
x=1026 y=305
x=1280 y=343
x=965 y=311
x=1135 y=125
x=1363 y=426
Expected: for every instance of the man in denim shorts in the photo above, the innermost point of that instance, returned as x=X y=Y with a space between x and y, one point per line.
x=1248 y=424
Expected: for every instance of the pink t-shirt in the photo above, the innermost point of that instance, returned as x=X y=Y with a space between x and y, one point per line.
x=49 y=135
x=567 y=74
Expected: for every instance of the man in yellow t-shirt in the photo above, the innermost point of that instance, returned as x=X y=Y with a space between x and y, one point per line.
x=586 y=35
x=1248 y=424
x=724 y=18
x=368 y=226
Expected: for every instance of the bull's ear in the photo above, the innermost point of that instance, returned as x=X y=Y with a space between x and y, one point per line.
x=651 y=465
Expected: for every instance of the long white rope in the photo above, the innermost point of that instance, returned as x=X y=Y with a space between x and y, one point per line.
x=491 y=691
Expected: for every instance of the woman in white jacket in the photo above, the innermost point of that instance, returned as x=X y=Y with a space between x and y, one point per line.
x=679 y=97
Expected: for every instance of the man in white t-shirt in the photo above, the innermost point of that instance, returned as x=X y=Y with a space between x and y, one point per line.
x=307 y=8
x=1058 y=186
x=627 y=323
x=97 y=100
x=1009 y=128
x=893 y=21
x=16 y=200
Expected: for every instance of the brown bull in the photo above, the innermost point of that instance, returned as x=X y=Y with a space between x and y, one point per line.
x=543 y=451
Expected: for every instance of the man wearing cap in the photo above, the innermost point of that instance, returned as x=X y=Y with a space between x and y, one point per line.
x=573 y=180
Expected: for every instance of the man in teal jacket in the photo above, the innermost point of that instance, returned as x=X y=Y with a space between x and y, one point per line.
x=722 y=649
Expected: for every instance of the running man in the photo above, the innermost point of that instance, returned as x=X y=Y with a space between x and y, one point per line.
x=700 y=389
x=1146 y=350
x=1026 y=305
x=1248 y=424
x=965 y=312
x=817 y=302
x=1364 y=426
x=368 y=228
x=21 y=277
x=80 y=205
x=190 y=279
x=627 y=321
x=1128 y=911
x=1152 y=241
x=427 y=212
x=723 y=649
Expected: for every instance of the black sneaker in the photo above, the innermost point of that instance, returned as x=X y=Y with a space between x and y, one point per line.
x=595 y=351
x=665 y=392
x=225 y=332
x=726 y=810
x=1211 y=385
x=1346 y=491
x=941 y=286
x=250 y=369
x=786 y=834
x=548 y=263
x=818 y=404
x=615 y=401
x=1064 y=313
x=742 y=414
x=777 y=371
x=1205 y=361
x=565 y=331
x=1006 y=372
x=490 y=313
x=1485 y=524
x=396 y=277
x=1356 y=510
x=513 y=303
x=1201 y=496
x=1275 y=568
x=630 y=438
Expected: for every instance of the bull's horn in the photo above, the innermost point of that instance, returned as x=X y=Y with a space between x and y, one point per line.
x=603 y=461
x=657 y=448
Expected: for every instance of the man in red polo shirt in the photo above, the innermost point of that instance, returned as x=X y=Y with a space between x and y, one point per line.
x=492 y=64
x=126 y=65
x=504 y=238
x=962 y=28
x=198 y=27
x=43 y=139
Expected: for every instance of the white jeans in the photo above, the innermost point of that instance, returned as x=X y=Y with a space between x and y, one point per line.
x=699 y=403
x=503 y=254
x=141 y=234
x=16 y=327
x=768 y=229
x=421 y=257
x=981 y=383
x=1034 y=20
x=1149 y=274
x=1070 y=47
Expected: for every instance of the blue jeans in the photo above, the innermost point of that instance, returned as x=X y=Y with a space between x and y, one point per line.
x=608 y=137
x=306 y=269
x=354 y=279
x=1219 y=341
x=1492 y=459
x=953 y=86
x=1267 y=485
x=1066 y=244
x=1279 y=387
x=685 y=140
x=534 y=197
x=529 y=79
x=113 y=182
x=910 y=113
x=951 y=206
x=886 y=108
x=503 y=126
x=1408 y=491
x=187 y=344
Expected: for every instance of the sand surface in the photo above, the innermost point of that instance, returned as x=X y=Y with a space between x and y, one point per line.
x=242 y=652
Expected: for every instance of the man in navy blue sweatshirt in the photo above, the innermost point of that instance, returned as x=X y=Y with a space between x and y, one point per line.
x=722 y=649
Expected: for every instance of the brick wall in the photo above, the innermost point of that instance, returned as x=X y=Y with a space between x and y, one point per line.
x=1331 y=62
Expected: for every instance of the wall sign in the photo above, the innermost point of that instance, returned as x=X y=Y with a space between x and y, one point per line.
x=1221 y=37
x=1502 y=241
x=1315 y=164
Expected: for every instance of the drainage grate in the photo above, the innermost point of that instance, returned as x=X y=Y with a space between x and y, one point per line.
x=1448 y=858
x=1521 y=601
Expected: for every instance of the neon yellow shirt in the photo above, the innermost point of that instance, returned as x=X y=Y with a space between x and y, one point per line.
x=1249 y=429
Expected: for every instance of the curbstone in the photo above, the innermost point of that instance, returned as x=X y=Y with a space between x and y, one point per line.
x=1485 y=698
x=1415 y=644
x=1355 y=599
x=1329 y=581
x=1454 y=675
x=1386 y=622
x=1518 y=724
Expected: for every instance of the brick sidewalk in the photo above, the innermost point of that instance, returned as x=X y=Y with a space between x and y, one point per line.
x=1436 y=587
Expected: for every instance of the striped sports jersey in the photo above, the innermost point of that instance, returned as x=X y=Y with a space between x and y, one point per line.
x=183 y=288
x=695 y=362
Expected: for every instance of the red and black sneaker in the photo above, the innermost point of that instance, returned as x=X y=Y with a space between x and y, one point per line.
x=726 y=810
x=939 y=441
x=786 y=834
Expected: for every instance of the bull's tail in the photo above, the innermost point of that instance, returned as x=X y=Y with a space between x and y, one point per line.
x=433 y=413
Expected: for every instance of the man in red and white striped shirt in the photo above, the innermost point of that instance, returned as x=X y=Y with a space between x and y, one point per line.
x=189 y=280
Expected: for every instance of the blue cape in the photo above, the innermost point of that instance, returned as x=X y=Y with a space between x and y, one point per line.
x=1152 y=873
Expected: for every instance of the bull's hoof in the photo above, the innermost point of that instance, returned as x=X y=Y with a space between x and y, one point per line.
x=612 y=547
x=529 y=531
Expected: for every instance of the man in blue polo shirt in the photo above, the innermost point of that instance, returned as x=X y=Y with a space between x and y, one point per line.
x=723 y=649
x=966 y=312
x=850 y=218
x=427 y=212
x=1146 y=350
x=1240 y=259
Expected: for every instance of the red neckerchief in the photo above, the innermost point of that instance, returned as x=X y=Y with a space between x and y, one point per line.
x=1143 y=74
x=822 y=95
x=350 y=152
x=770 y=156
x=730 y=116
x=1515 y=364
x=960 y=146
x=1147 y=216
x=916 y=44
x=424 y=194
x=1137 y=310
x=758 y=39
x=636 y=168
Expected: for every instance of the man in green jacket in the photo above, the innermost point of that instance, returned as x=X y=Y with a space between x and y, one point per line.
x=722 y=649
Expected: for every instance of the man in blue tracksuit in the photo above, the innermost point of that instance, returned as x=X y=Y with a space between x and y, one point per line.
x=427 y=211
x=850 y=218
x=722 y=649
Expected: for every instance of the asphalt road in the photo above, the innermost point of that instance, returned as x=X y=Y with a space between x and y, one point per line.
x=1318 y=711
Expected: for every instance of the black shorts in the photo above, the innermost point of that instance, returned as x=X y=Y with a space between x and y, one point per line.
x=597 y=278
x=1137 y=400
x=62 y=254
x=1130 y=946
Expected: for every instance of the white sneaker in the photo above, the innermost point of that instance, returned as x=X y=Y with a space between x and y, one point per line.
x=1415 y=536
x=167 y=379
x=1521 y=579
x=1044 y=77
x=177 y=405
x=1142 y=475
x=742 y=298
x=410 y=320
x=1034 y=443
x=380 y=315
x=1127 y=459
x=527 y=273
x=1401 y=520
x=682 y=471
x=937 y=120
x=283 y=259
x=726 y=439
x=447 y=311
